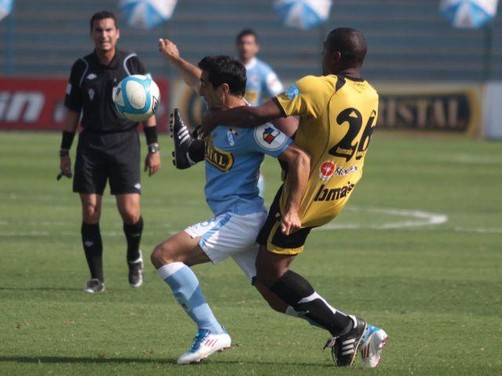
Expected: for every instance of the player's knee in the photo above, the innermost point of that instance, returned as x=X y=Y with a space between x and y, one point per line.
x=91 y=214
x=131 y=218
x=161 y=255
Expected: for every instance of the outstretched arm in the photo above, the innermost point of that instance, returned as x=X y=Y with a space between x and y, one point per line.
x=243 y=116
x=189 y=72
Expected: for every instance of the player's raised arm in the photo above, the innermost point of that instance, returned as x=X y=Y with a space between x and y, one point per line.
x=243 y=116
x=189 y=72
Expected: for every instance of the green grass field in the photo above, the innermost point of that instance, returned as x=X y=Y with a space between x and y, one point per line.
x=417 y=251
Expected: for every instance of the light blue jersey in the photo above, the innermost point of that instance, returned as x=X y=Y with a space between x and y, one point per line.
x=233 y=158
x=262 y=82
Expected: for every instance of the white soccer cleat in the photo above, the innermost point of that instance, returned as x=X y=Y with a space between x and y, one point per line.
x=205 y=344
x=374 y=340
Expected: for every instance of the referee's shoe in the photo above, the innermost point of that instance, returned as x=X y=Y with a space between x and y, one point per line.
x=136 y=271
x=182 y=141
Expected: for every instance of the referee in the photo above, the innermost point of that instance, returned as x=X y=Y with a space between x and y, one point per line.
x=108 y=147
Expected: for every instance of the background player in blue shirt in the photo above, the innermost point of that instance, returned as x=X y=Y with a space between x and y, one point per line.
x=233 y=158
x=262 y=82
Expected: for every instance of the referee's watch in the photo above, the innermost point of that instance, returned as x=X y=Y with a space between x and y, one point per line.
x=153 y=148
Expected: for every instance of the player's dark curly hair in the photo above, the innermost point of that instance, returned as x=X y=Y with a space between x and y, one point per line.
x=225 y=70
x=101 y=16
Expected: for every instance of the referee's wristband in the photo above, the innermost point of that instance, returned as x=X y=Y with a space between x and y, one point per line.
x=151 y=135
x=64 y=153
x=67 y=140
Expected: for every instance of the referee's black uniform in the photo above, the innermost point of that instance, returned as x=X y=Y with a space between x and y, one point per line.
x=108 y=146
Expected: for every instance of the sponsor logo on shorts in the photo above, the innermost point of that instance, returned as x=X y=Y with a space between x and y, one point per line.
x=326 y=194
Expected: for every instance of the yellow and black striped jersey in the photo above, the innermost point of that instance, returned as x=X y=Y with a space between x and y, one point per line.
x=336 y=119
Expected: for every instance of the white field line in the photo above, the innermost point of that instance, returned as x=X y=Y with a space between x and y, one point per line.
x=479 y=230
x=412 y=218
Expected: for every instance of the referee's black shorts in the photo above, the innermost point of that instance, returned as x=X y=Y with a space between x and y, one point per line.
x=108 y=156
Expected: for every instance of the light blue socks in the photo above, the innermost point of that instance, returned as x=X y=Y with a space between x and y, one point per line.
x=188 y=293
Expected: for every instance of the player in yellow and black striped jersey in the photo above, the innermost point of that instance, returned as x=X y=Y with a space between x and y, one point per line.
x=337 y=113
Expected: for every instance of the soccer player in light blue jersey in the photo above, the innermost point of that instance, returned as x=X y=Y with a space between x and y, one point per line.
x=233 y=158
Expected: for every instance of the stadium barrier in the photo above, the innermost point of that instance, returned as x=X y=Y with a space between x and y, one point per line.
x=492 y=111
x=471 y=110
x=38 y=104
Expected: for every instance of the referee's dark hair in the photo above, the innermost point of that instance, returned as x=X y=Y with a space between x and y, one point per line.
x=101 y=16
x=225 y=70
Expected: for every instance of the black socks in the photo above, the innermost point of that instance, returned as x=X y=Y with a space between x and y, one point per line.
x=298 y=293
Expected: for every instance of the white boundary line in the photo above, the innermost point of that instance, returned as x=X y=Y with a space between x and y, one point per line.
x=417 y=218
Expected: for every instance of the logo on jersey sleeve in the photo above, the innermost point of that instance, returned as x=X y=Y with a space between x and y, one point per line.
x=269 y=137
x=292 y=91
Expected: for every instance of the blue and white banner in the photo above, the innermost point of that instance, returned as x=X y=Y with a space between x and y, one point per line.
x=146 y=14
x=5 y=8
x=302 y=14
x=469 y=14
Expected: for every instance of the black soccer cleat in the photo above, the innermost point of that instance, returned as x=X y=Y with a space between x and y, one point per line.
x=182 y=141
x=344 y=348
x=94 y=286
x=136 y=272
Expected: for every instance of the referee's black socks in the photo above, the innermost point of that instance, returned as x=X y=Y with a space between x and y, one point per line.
x=133 y=235
x=93 y=248
x=299 y=294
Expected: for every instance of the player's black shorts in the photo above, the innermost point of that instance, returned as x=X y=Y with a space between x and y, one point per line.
x=272 y=237
x=107 y=156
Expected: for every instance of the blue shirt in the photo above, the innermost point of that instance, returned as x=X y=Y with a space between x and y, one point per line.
x=262 y=82
x=233 y=159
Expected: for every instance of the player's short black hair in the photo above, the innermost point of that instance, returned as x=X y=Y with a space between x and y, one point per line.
x=350 y=43
x=225 y=70
x=101 y=16
x=245 y=33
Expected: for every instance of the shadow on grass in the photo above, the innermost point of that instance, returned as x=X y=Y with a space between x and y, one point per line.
x=105 y=360
x=68 y=359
